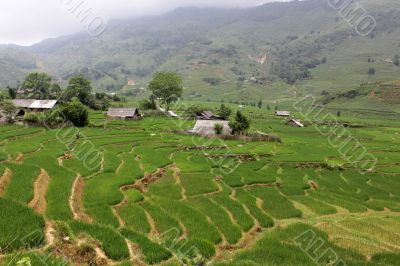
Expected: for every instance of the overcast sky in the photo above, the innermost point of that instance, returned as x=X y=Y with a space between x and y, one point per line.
x=26 y=22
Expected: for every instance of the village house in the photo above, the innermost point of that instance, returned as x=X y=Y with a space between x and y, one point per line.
x=282 y=113
x=208 y=115
x=123 y=114
x=294 y=123
x=207 y=127
x=31 y=105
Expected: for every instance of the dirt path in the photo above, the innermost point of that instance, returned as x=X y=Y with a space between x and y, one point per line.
x=121 y=221
x=134 y=253
x=5 y=180
x=76 y=200
x=38 y=203
x=20 y=158
x=153 y=229
x=49 y=235
x=177 y=177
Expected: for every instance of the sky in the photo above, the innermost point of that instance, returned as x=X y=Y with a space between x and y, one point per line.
x=25 y=22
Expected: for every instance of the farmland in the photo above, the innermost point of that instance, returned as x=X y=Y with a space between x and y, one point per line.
x=141 y=193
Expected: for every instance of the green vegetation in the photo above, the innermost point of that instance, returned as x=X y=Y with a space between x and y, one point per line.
x=20 y=227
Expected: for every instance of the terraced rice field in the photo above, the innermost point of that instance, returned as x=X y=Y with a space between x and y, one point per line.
x=136 y=193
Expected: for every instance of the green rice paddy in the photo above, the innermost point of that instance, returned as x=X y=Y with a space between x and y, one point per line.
x=246 y=203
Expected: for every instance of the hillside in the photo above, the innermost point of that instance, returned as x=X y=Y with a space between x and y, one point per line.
x=270 y=52
x=383 y=96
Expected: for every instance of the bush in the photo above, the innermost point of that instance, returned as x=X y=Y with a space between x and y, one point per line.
x=224 y=111
x=241 y=124
x=212 y=81
x=76 y=113
x=371 y=71
x=148 y=104
x=31 y=118
x=218 y=129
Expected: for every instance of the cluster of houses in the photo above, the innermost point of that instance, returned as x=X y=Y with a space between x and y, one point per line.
x=206 y=121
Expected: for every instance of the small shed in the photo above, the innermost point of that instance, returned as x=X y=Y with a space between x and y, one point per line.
x=32 y=105
x=123 y=114
x=207 y=127
x=294 y=123
x=208 y=115
x=282 y=113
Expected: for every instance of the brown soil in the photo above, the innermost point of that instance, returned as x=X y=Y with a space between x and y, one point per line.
x=38 y=203
x=153 y=231
x=147 y=180
x=5 y=180
x=20 y=158
x=76 y=200
x=134 y=252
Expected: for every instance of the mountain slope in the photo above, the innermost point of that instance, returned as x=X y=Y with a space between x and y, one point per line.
x=237 y=54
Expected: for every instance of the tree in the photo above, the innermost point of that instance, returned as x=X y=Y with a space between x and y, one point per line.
x=240 y=125
x=339 y=113
x=167 y=87
x=76 y=113
x=371 y=71
x=37 y=86
x=8 y=109
x=259 y=104
x=81 y=88
x=396 y=60
x=55 y=91
x=12 y=92
x=218 y=128
x=224 y=111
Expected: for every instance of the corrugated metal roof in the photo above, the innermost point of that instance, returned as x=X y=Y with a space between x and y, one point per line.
x=22 y=103
x=207 y=127
x=34 y=104
x=122 y=112
x=296 y=122
x=282 y=113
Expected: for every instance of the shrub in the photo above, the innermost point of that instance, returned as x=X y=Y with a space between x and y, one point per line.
x=371 y=71
x=224 y=111
x=212 y=81
x=218 y=129
x=240 y=125
x=31 y=118
x=76 y=113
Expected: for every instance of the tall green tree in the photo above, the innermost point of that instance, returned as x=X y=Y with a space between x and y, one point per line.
x=55 y=91
x=75 y=112
x=81 y=88
x=240 y=125
x=224 y=111
x=8 y=109
x=166 y=86
x=259 y=104
x=37 y=85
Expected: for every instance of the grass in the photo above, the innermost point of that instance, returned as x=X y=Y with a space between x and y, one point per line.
x=20 y=227
x=190 y=208
x=152 y=252
x=219 y=217
x=108 y=239
x=275 y=204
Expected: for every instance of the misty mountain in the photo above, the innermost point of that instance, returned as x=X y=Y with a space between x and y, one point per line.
x=272 y=51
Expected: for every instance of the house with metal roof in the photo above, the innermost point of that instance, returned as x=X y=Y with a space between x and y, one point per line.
x=282 y=113
x=123 y=114
x=31 y=105
x=208 y=115
x=294 y=123
x=207 y=127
